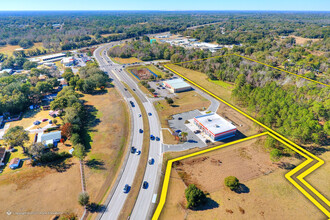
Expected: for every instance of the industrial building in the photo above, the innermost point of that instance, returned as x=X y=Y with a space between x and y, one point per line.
x=177 y=85
x=214 y=126
x=68 y=61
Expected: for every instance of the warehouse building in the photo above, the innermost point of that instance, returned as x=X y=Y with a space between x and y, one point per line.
x=177 y=85
x=214 y=126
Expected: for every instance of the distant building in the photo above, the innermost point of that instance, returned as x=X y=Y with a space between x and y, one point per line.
x=14 y=163
x=68 y=61
x=49 y=138
x=9 y=71
x=177 y=85
x=2 y=155
x=48 y=58
x=214 y=126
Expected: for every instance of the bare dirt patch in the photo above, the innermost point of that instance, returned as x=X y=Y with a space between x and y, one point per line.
x=267 y=195
x=302 y=40
x=142 y=73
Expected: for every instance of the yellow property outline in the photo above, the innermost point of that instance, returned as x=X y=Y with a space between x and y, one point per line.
x=307 y=155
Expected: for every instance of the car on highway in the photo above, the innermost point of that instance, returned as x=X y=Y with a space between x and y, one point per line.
x=141 y=131
x=149 y=114
x=132 y=103
x=157 y=139
x=151 y=161
x=145 y=185
x=125 y=89
x=180 y=118
x=134 y=90
x=133 y=150
x=152 y=137
x=138 y=152
x=126 y=188
x=140 y=115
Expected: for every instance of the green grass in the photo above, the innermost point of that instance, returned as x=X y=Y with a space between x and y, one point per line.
x=222 y=84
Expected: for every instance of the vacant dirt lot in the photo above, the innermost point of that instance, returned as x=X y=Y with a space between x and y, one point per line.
x=40 y=189
x=183 y=102
x=108 y=135
x=302 y=40
x=142 y=73
x=266 y=194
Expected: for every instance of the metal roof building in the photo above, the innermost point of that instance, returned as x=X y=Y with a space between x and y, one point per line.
x=177 y=85
x=216 y=127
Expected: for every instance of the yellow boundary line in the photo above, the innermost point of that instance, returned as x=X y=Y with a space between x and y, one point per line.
x=309 y=156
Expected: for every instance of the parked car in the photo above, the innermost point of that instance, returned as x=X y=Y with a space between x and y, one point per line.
x=178 y=131
x=50 y=122
x=145 y=185
x=126 y=188
x=151 y=161
x=207 y=141
x=45 y=119
x=197 y=131
x=36 y=123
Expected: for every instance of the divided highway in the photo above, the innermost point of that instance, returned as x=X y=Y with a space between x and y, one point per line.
x=144 y=203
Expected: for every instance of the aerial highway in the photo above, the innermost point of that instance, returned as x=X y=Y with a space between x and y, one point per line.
x=146 y=197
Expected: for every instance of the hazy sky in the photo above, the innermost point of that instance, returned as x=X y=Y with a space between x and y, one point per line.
x=295 y=5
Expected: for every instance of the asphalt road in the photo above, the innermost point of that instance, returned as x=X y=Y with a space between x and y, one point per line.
x=143 y=205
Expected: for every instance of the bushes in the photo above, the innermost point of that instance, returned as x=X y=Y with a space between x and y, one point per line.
x=194 y=196
x=83 y=199
x=275 y=154
x=52 y=156
x=232 y=182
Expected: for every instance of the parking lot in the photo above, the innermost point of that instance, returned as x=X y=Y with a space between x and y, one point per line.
x=160 y=90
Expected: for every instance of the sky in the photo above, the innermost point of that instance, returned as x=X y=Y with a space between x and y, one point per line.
x=166 y=5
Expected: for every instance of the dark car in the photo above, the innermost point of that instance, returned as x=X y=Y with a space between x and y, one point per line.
x=178 y=131
x=132 y=103
x=151 y=161
x=133 y=149
x=179 y=118
x=45 y=119
x=145 y=185
x=207 y=141
x=152 y=137
x=149 y=114
x=125 y=89
x=126 y=188
x=157 y=139
x=133 y=89
x=141 y=131
x=50 y=122
x=197 y=131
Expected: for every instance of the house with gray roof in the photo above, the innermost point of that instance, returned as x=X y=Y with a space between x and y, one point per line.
x=50 y=138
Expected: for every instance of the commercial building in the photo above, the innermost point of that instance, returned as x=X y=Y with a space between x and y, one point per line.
x=177 y=85
x=48 y=58
x=216 y=127
x=68 y=61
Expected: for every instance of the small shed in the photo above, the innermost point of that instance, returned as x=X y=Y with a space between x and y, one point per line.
x=14 y=163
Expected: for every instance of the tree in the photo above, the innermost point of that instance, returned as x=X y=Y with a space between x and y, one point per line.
x=67 y=130
x=25 y=43
x=75 y=139
x=16 y=136
x=232 y=182
x=83 y=199
x=29 y=65
x=194 y=196
x=68 y=74
x=184 y=135
x=240 y=81
x=36 y=149
x=55 y=121
x=79 y=151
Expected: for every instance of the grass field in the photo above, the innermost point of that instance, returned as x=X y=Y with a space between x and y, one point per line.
x=183 y=102
x=266 y=191
x=222 y=84
x=127 y=60
x=168 y=137
x=203 y=81
x=108 y=132
x=9 y=49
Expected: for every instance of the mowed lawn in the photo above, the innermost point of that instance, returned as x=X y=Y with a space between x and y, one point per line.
x=108 y=135
x=9 y=49
x=183 y=102
x=219 y=88
x=268 y=194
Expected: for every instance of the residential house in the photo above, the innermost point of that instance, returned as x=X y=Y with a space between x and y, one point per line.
x=49 y=138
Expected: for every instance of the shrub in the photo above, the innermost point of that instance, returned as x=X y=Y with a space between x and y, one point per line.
x=275 y=155
x=194 y=196
x=232 y=182
x=83 y=198
x=75 y=139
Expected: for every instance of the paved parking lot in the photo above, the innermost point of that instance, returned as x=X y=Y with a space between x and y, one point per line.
x=160 y=90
